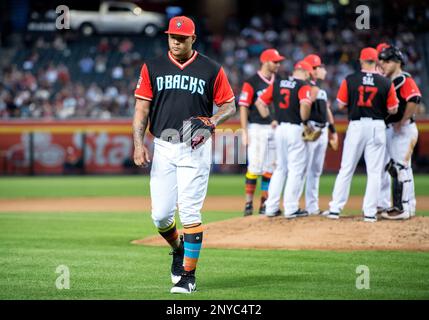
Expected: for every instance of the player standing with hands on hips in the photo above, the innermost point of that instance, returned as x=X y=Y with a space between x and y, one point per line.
x=369 y=97
x=402 y=136
x=257 y=132
x=175 y=93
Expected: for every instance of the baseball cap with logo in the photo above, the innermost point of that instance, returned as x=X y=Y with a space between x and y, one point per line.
x=368 y=53
x=181 y=25
x=314 y=60
x=271 y=55
x=304 y=65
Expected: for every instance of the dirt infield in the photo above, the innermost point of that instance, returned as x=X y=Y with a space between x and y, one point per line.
x=315 y=232
x=260 y=232
x=140 y=204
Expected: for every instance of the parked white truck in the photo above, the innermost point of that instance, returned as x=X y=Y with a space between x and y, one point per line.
x=117 y=17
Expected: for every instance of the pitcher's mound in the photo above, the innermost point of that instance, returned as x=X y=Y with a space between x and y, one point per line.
x=315 y=232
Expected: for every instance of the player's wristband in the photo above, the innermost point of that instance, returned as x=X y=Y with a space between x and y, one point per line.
x=332 y=128
x=270 y=118
x=305 y=122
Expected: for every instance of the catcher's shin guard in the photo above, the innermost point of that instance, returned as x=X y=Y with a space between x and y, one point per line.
x=400 y=183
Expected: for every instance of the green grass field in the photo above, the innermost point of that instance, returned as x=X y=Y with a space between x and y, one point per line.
x=104 y=265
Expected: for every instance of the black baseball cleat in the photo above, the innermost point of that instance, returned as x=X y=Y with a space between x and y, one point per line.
x=177 y=264
x=380 y=210
x=186 y=284
x=262 y=206
x=370 y=218
x=275 y=214
x=297 y=214
x=395 y=213
x=248 y=210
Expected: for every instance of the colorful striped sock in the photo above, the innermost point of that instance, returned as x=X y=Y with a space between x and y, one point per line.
x=171 y=235
x=266 y=177
x=193 y=236
x=251 y=180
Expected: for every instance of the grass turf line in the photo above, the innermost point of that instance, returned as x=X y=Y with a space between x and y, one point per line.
x=97 y=186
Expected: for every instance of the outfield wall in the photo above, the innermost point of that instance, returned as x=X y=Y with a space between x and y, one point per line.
x=95 y=147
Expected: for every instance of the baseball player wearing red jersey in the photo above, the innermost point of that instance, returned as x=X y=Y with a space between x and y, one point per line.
x=292 y=102
x=320 y=117
x=257 y=133
x=172 y=88
x=369 y=97
x=402 y=136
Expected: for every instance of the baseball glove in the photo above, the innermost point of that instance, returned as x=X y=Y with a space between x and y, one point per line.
x=196 y=131
x=309 y=134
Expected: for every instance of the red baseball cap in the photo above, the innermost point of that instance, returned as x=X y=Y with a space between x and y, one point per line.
x=369 y=54
x=381 y=46
x=271 y=55
x=181 y=25
x=304 y=65
x=314 y=60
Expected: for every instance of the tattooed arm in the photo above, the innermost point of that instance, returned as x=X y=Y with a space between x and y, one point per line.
x=225 y=112
x=140 y=121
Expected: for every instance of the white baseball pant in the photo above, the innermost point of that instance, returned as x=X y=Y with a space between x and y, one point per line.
x=400 y=146
x=291 y=161
x=179 y=177
x=365 y=136
x=261 y=151
x=316 y=159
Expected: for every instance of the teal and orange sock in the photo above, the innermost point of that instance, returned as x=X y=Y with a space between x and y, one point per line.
x=193 y=237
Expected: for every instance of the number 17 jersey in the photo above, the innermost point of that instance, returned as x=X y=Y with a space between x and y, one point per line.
x=367 y=94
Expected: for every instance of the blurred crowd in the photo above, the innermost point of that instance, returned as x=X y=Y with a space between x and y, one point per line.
x=55 y=89
x=100 y=83
x=27 y=95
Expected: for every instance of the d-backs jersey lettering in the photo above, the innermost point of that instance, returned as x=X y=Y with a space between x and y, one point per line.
x=287 y=95
x=179 y=91
x=406 y=90
x=251 y=90
x=367 y=95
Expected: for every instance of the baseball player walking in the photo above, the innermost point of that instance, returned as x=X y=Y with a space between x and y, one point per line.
x=402 y=136
x=257 y=133
x=369 y=97
x=175 y=93
x=320 y=116
x=292 y=102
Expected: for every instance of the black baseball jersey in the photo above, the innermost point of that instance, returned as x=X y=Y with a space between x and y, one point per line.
x=319 y=107
x=251 y=90
x=406 y=90
x=287 y=96
x=178 y=91
x=367 y=95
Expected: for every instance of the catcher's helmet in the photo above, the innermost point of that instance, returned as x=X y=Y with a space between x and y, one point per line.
x=392 y=53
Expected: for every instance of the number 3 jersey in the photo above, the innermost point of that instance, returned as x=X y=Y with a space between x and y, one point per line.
x=179 y=91
x=287 y=96
x=367 y=94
